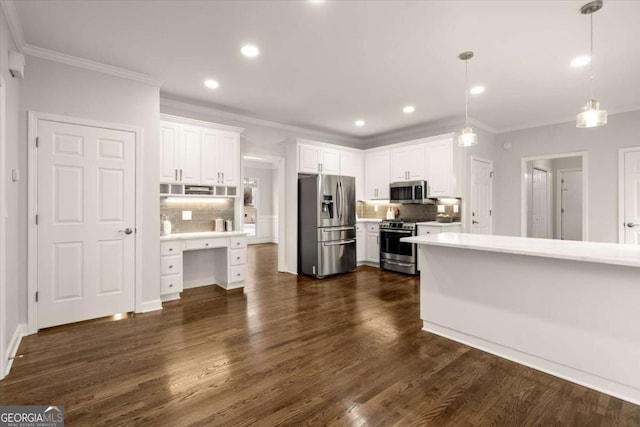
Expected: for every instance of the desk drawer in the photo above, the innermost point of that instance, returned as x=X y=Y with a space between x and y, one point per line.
x=170 y=248
x=238 y=256
x=205 y=243
x=238 y=273
x=171 y=264
x=238 y=242
x=171 y=284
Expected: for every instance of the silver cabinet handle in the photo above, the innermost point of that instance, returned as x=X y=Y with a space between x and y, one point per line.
x=126 y=231
x=632 y=225
x=176 y=171
x=180 y=174
x=222 y=178
x=474 y=222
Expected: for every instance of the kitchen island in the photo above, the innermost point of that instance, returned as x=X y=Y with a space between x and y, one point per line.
x=564 y=307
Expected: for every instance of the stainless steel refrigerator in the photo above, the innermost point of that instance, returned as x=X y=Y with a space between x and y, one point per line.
x=326 y=225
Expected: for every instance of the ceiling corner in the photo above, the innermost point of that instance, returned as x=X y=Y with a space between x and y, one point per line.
x=15 y=28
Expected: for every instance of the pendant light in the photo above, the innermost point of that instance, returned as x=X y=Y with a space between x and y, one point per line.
x=467 y=138
x=592 y=115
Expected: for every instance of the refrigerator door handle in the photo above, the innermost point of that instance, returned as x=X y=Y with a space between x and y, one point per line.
x=344 y=242
x=338 y=201
x=331 y=230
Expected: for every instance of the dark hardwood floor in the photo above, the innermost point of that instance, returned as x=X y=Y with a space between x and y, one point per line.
x=290 y=351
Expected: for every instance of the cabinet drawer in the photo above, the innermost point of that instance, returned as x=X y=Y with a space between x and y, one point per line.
x=171 y=265
x=359 y=228
x=238 y=256
x=237 y=273
x=170 y=248
x=238 y=242
x=427 y=229
x=171 y=284
x=205 y=244
x=373 y=227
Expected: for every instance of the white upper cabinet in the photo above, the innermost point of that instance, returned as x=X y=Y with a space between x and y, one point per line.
x=193 y=154
x=352 y=164
x=443 y=176
x=376 y=178
x=169 y=152
x=190 y=144
x=408 y=163
x=316 y=159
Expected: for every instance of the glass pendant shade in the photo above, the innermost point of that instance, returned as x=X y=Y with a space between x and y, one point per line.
x=467 y=138
x=592 y=116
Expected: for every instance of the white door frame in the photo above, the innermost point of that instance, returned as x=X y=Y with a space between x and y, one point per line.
x=3 y=232
x=621 y=207
x=280 y=167
x=585 y=189
x=32 y=206
x=255 y=202
x=469 y=219
x=558 y=212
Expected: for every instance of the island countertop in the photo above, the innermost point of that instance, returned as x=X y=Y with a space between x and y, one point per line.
x=605 y=253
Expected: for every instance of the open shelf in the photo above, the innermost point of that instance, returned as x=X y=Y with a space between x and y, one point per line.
x=189 y=190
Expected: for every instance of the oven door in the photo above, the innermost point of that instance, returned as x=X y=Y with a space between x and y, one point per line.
x=392 y=248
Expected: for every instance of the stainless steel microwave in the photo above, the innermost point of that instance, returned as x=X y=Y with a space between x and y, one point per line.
x=409 y=192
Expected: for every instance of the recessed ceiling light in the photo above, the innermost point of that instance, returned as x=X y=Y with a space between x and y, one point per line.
x=316 y=1
x=409 y=109
x=211 y=84
x=580 y=61
x=250 y=51
x=476 y=90
x=359 y=123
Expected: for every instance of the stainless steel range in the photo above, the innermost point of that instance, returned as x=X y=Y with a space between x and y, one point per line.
x=394 y=254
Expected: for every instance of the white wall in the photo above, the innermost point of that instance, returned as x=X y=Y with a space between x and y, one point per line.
x=15 y=249
x=602 y=146
x=55 y=88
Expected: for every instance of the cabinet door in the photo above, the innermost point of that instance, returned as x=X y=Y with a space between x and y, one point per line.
x=352 y=164
x=330 y=161
x=399 y=165
x=229 y=158
x=169 y=153
x=209 y=161
x=376 y=170
x=440 y=167
x=361 y=243
x=190 y=141
x=416 y=162
x=309 y=159
x=373 y=247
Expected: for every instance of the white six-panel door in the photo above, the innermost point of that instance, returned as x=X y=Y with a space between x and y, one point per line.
x=571 y=205
x=540 y=201
x=86 y=220
x=481 y=196
x=631 y=196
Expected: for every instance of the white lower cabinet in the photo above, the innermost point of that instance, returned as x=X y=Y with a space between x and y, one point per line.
x=361 y=243
x=227 y=255
x=373 y=242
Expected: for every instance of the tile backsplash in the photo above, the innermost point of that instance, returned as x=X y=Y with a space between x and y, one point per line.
x=408 y=211
x=203 y=212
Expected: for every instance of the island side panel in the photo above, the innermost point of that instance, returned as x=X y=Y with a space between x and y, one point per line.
x=576 y=320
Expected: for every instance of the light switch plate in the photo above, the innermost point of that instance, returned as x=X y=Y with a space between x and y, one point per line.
x=186 y=215
x=440 y=208
x=456 y=208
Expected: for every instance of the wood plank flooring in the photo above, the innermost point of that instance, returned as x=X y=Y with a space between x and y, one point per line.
x=290 y=351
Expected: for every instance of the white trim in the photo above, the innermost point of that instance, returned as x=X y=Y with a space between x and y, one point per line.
x=152 y=305
x=621 y=198
x=15 y=28
x=585 y=189
x=164 y=102
x=558 y=212
x=260 y=240
x=32 y=206
x=549 y=181
x=88 y=64
x=3 y=231
x=202 y=123
x=12 y=348
x=470 y=190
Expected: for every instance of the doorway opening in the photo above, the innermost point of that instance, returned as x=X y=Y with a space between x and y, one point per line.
x=554 y=196
x=250 y=213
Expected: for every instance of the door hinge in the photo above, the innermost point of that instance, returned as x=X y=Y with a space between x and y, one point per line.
x=37 y=142
x=36 y=219
x=562 y=180
x=491 y=174
x=490 y=212
x=562 y=210
x=36 y=296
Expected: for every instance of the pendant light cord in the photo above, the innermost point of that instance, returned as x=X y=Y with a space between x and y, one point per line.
x=591 y=57
x=466 y=93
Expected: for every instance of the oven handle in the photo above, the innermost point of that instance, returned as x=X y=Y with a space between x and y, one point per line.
x=401 y=264
x=346 y=242
x=396 y=231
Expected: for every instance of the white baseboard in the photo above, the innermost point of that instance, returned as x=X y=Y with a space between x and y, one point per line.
x=229 y=286
x=196 y=283
x=12 y=349
x=170 y=297
x=147 y=306
x=258 y=240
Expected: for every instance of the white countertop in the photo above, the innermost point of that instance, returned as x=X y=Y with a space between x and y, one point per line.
x=368 y=220
x=202 y=235
x=605 y=253
x=439 y=224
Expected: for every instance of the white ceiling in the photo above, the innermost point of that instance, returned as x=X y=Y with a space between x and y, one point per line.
x=322 y=66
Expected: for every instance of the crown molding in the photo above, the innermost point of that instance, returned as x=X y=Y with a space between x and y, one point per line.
x=297 y=130
x=15 y=28
x=202 y=123
x=88 y=64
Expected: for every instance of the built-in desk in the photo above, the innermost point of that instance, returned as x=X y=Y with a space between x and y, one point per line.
x=564 y=307
x=188 y=260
